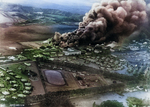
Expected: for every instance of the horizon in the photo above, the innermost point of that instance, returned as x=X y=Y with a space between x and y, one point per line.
x=46 y=3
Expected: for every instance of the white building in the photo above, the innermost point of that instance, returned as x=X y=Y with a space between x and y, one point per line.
x=72 y=51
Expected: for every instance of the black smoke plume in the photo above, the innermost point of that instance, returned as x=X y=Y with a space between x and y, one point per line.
x=106 y=21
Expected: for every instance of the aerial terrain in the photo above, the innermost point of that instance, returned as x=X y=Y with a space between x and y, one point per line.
x=96 y=56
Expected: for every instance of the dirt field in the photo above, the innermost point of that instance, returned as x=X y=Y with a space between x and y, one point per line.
x=72 y=83
x=10 y=36
x=37 y=83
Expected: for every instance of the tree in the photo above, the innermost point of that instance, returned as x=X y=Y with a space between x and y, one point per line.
x=133 y=101
x=111 y=103
x=94 y=105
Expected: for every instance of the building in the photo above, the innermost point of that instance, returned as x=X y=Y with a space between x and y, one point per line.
x=72 y=51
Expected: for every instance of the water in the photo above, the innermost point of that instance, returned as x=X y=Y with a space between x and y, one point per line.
x=64 y=28
x=98 y=99
x=114 y=96
x=124 y=71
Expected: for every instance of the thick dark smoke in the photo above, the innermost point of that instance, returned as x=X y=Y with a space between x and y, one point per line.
x=106 y=21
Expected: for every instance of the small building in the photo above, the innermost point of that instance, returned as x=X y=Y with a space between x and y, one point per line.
x=72 y=51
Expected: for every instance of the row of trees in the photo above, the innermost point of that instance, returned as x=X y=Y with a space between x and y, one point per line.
x=118 y=76
x=53 y=98
x=131 y=102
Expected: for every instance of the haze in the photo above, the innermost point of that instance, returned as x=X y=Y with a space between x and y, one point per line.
x=42 y=3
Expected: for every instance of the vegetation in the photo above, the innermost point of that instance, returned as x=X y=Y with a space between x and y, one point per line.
x=133 y=101
x=97 y=90
x=89 y=54
x=51 y=99
x=12 y=89
x=49 y=16
x=44 y=53
x=109 y=103
x=58 y=99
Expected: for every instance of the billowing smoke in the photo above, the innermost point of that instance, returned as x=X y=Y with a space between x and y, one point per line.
x=106 y=21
